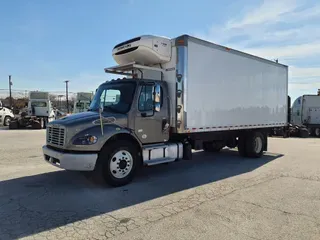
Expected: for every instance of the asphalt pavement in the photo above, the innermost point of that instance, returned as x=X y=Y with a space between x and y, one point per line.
x=214 y=196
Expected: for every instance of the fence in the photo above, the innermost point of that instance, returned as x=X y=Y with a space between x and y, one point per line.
x=4 y=93
x=20 y=98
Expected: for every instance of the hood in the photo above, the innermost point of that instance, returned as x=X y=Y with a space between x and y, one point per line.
x=91 y=117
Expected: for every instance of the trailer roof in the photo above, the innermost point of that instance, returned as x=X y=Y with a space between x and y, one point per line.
x=186 y=37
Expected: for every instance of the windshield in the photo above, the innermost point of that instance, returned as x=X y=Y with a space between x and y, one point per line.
x=38 y=104
x=114 y=97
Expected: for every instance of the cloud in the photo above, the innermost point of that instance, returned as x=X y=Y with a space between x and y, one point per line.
x=304 y=88
x=289 y=52
x=286 y=30
x=304 y=73
x=269 y=10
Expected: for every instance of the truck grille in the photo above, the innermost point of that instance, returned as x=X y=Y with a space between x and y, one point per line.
x=56 y=135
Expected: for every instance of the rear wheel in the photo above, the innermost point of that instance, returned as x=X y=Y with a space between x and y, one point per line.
x=255 y=142
x=118 y=162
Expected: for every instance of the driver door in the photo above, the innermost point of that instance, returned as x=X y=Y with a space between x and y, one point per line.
x=151 y=126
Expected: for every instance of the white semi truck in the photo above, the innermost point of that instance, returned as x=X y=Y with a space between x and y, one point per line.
x=6 y=115
x=82 y=102
x=179 y=94
x=306 y=111
x=39 y=112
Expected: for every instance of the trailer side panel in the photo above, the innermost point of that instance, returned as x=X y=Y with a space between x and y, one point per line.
x=226 y=89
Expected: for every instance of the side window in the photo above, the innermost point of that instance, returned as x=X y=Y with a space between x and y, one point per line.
x=146 y=98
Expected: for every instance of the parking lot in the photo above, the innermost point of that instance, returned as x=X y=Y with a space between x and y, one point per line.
x=214 y=196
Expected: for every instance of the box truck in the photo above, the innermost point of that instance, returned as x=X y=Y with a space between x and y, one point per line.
x=177 y=95
x=306 y=112
x=82 y=102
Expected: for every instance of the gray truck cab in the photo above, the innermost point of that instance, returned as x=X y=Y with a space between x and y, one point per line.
x=138 y=116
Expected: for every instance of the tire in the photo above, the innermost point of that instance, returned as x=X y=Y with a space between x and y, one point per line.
x=36 y=124
x=317 y=132
x=118 y=159
x=187 y=151
x=311 y=132
x=303 y=133
x=242 y=146
x=254 y=144
x=14 y=124
x=6 y=121
x=43 y=123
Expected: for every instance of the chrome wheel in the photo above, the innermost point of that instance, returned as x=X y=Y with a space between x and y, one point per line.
x=257 y=144
x=121 y=164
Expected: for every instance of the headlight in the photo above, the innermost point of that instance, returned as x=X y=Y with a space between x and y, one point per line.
x=85 y=140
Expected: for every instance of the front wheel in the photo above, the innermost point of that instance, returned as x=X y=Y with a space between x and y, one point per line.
x=7 y=121
x=317 y=132
x=118 y=163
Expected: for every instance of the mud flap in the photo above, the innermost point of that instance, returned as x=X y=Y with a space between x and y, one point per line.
x=265 y=146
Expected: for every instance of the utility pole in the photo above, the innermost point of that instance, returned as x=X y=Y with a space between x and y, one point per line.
x=10 y=95
x=67 y=98
x=59 y=99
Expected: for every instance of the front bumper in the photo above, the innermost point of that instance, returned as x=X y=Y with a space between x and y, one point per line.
x=70 y=161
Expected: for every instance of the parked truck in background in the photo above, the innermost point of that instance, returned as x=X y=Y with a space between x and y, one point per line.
x=39 y=112
x=306 y=112
x=6 y=115
x=82 y=102
x=178 y=94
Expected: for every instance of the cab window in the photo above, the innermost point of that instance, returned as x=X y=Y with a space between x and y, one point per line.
x=146 y=98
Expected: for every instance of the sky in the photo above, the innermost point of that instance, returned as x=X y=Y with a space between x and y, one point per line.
x=44 y=43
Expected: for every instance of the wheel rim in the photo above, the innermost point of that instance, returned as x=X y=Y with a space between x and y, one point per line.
x=257 y=144
x=7 y=122
x=317 y=131
x=121 y=164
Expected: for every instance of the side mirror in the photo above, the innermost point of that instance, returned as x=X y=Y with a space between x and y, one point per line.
x=157 y=97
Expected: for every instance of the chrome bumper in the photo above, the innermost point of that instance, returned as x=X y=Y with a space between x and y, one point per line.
x=70 y=161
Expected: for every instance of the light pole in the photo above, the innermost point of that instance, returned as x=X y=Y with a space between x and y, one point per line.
x=10 y=95
x=59 y=99
x=67 y=98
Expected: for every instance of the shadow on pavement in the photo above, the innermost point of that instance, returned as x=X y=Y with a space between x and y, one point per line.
x=33 y=204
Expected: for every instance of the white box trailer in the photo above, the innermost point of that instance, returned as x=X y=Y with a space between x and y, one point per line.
x=225 y=89
x=306 y=111
x=179 y=94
